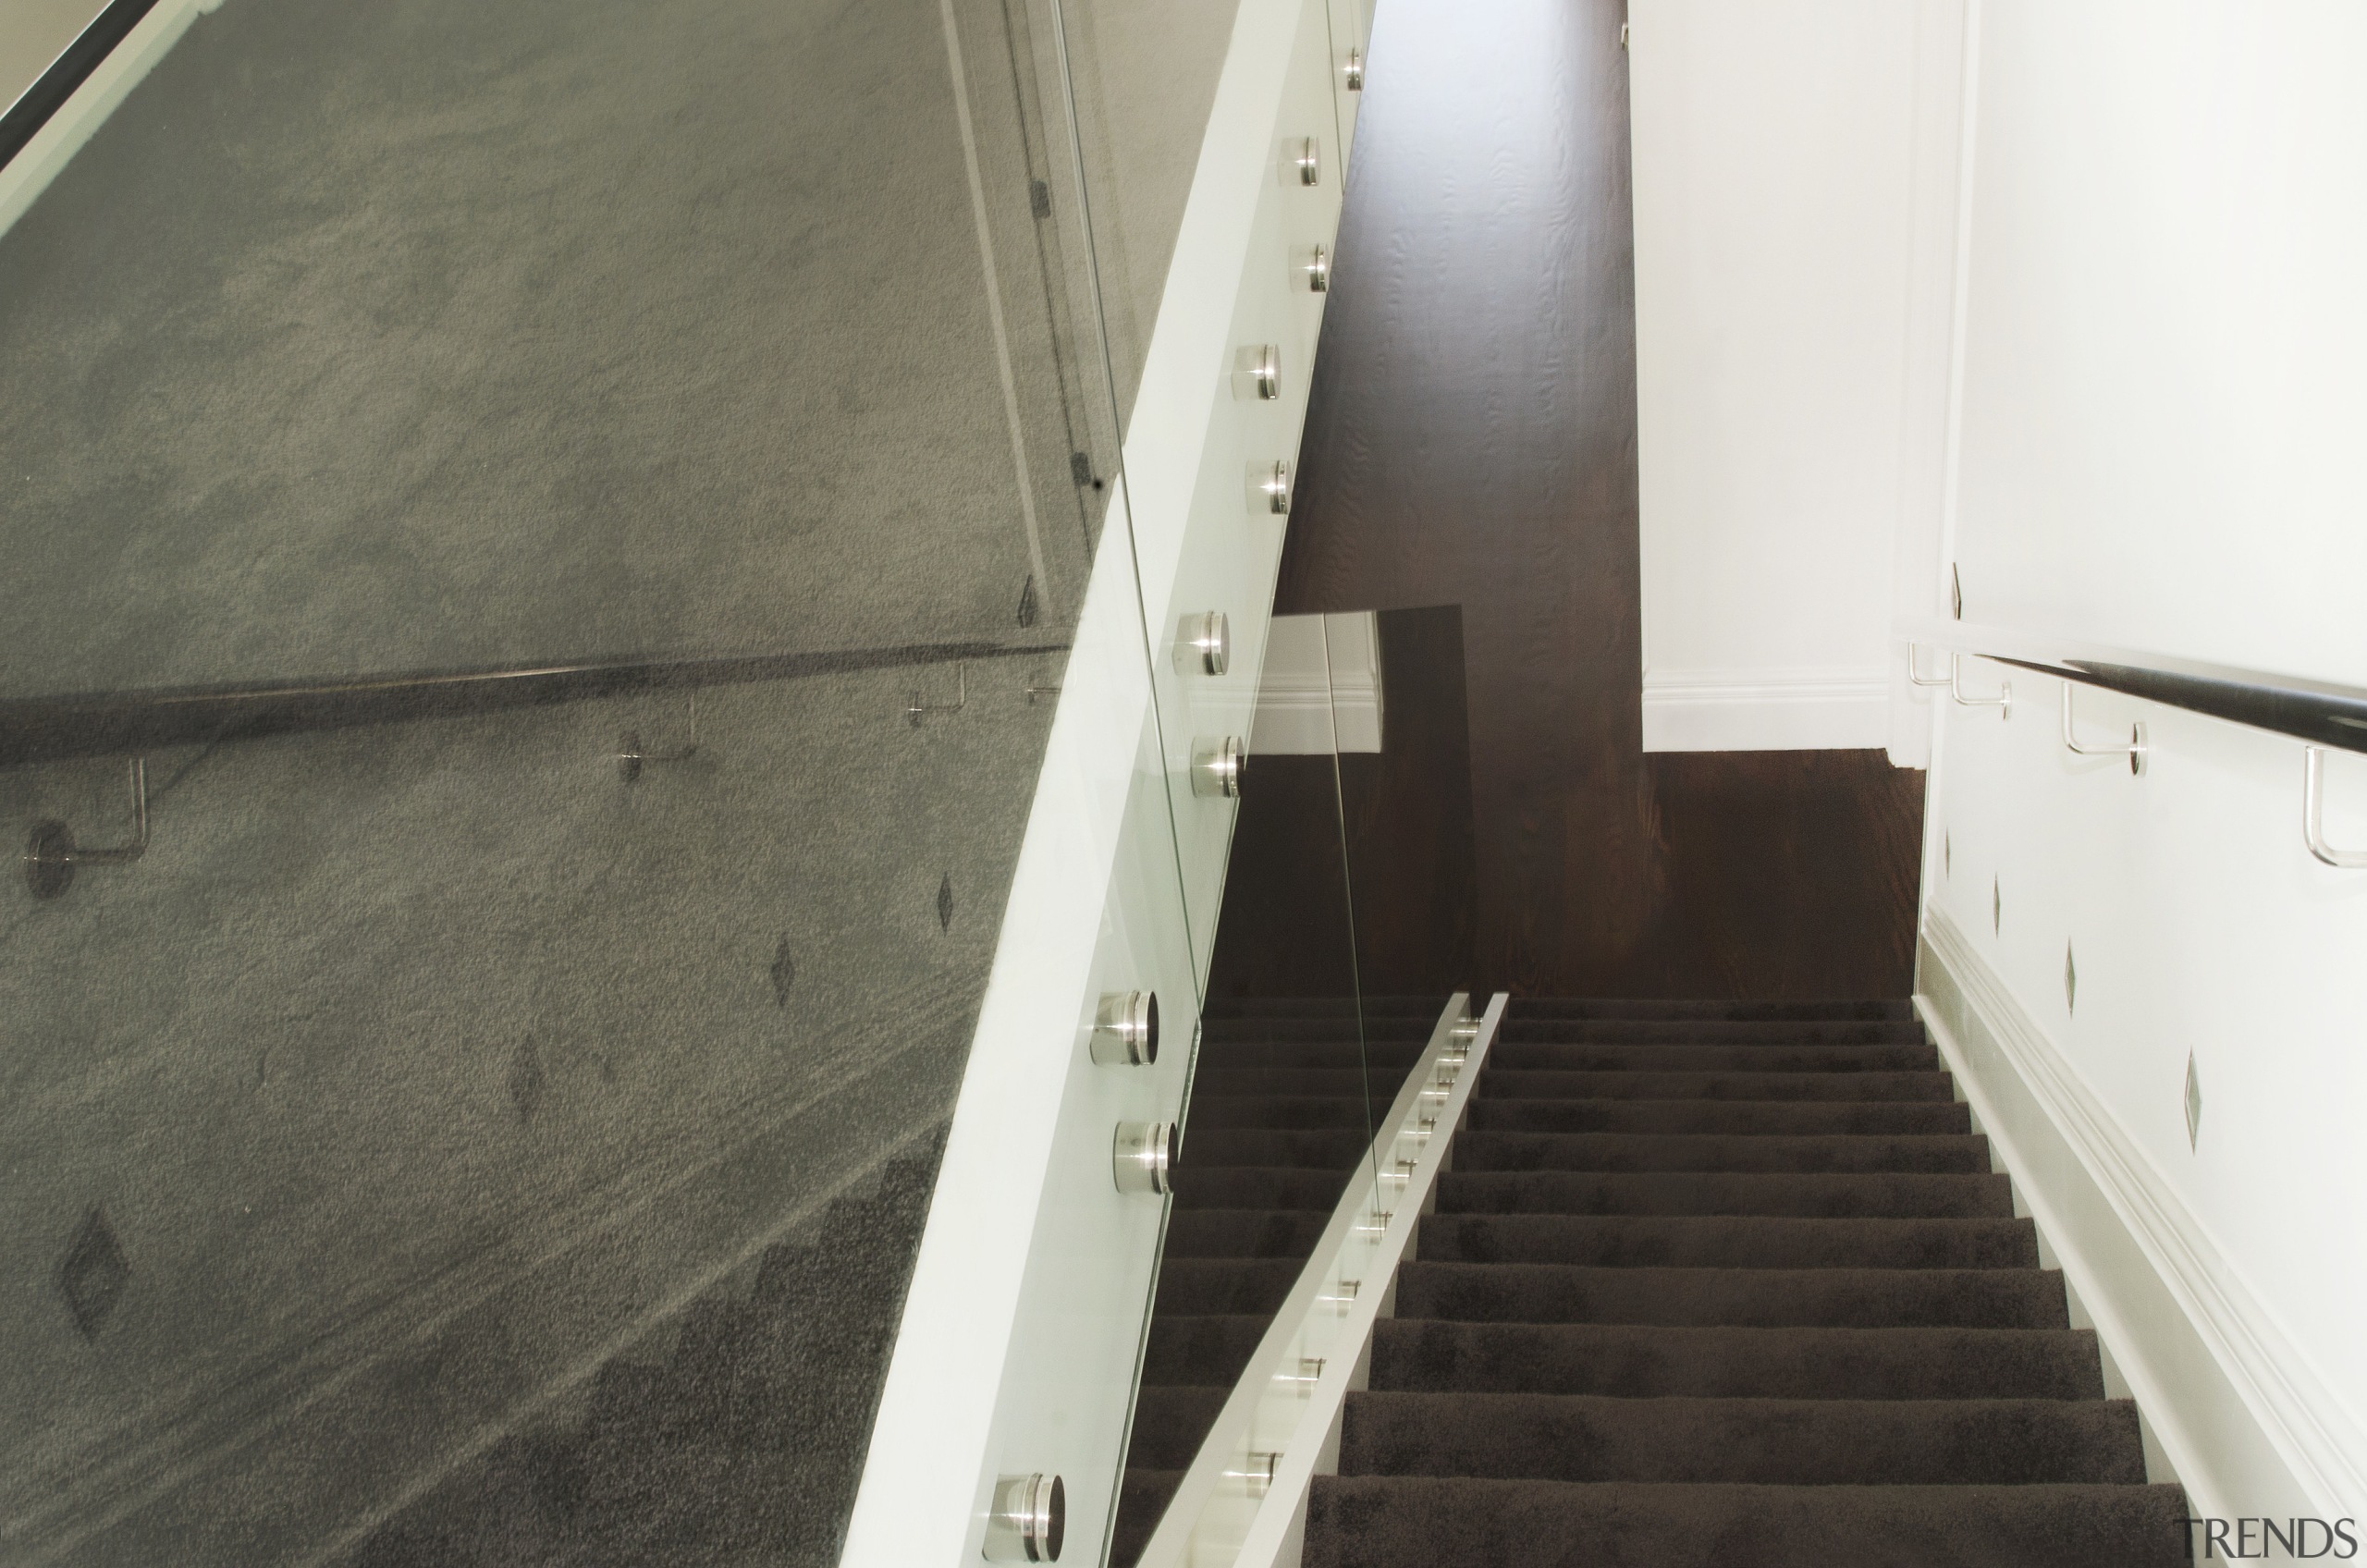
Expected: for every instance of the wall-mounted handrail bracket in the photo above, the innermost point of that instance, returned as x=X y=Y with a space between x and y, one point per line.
x=2003 y=702
x=630 y=754
x=1914 y=667
x=2135 y=751
x=919 y=708
x=2314 y=804
x=51 y=855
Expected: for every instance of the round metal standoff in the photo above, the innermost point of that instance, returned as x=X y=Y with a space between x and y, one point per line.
x=1205 y=638
x=1318 y=271
x=1466 y=1031
x=1354 y=71
x=1217 y=765
x=1125 y=1029
x=1256 y=1476
x=1266 y=373
x=1029 y=1517
x=1141 y=1155
x=2137 y=753
x=49 y=859
x=1309 y=161
x=1277 y=488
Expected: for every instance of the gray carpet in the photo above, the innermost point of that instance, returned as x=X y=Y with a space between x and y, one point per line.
x=420 y=1077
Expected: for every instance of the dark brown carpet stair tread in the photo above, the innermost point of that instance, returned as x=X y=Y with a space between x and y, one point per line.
x=1525 y=1010
x=1322 y=1056
x=1142 y=1496
x=1866 y=1195
x=1730 y=1283
x=1771 y=1298
x=1211 y=1348
x=1713 y=1032
x=1169 y=1423
x=1210 y=1081
x=1281 y=1029
x=1726 y=1241
x=1963 y=1154
x=1202 y=1287
x=1728 y=1117
x=1245 y=1232
x=1765 y=1057
x=1280 y=1113
x=1424 y=1007
x=1277 y=1122
x=1420 y=1522
x=1501 y=1083
x=1784 y=1442
x=1311 y=1187
x=1640 y=1362
x=1207 y=1146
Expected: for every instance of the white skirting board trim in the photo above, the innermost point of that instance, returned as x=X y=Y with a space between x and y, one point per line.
x=2238 y=1412
x=27 y=174
x=1766 y=710
x=1319 y=691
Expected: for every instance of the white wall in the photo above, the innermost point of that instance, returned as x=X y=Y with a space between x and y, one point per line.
x=2156 y=444
x=1794 y=170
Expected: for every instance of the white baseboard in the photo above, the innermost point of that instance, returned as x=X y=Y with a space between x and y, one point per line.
x=2236 y=1411
x=1766 y=710
x=1319 y=691
x=27 y=174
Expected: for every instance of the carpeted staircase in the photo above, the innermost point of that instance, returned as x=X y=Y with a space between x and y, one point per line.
x=1278 y=1118
x=1731 y=1284
x=738 y=1439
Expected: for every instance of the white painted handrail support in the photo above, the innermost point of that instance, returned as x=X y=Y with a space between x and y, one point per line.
x=2314 y=810
x=1242 y=1500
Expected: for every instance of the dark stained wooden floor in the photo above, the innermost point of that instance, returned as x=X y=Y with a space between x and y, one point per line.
x=1472 y=441
x=1285 y=928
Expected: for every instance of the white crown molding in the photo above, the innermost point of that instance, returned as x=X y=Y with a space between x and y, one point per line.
x=2236 y=1405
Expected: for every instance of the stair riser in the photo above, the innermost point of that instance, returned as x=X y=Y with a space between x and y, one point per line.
x=1770 y=1442
x=1733 y=1118
x=1306 y=1189
x=1682 y=1192
x=1498 y=1085
x=1728 y=1243
x=1420 y=1522
x=1842 y=1298
x=1707 y=1032
x=1475 y=1151
x=1515 y=1057
x=1524 y=1010
x=1631 y=1362
x=1233 y=1232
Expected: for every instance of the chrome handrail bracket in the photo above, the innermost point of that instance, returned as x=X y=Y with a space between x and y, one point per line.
x=2313 y=803
x=2135 y=751
x=2003 y=702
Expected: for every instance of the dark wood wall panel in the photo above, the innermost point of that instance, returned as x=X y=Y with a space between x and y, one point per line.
x=1472 y=441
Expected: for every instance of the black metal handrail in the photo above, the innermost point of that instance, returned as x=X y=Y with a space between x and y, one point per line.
x=48 y=729
x=2321 y=713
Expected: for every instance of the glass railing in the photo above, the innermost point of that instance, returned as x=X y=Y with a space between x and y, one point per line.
x=547 y=547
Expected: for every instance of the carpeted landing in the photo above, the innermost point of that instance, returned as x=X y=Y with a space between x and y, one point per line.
x=1711 y=1285
x=1278 y=1119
